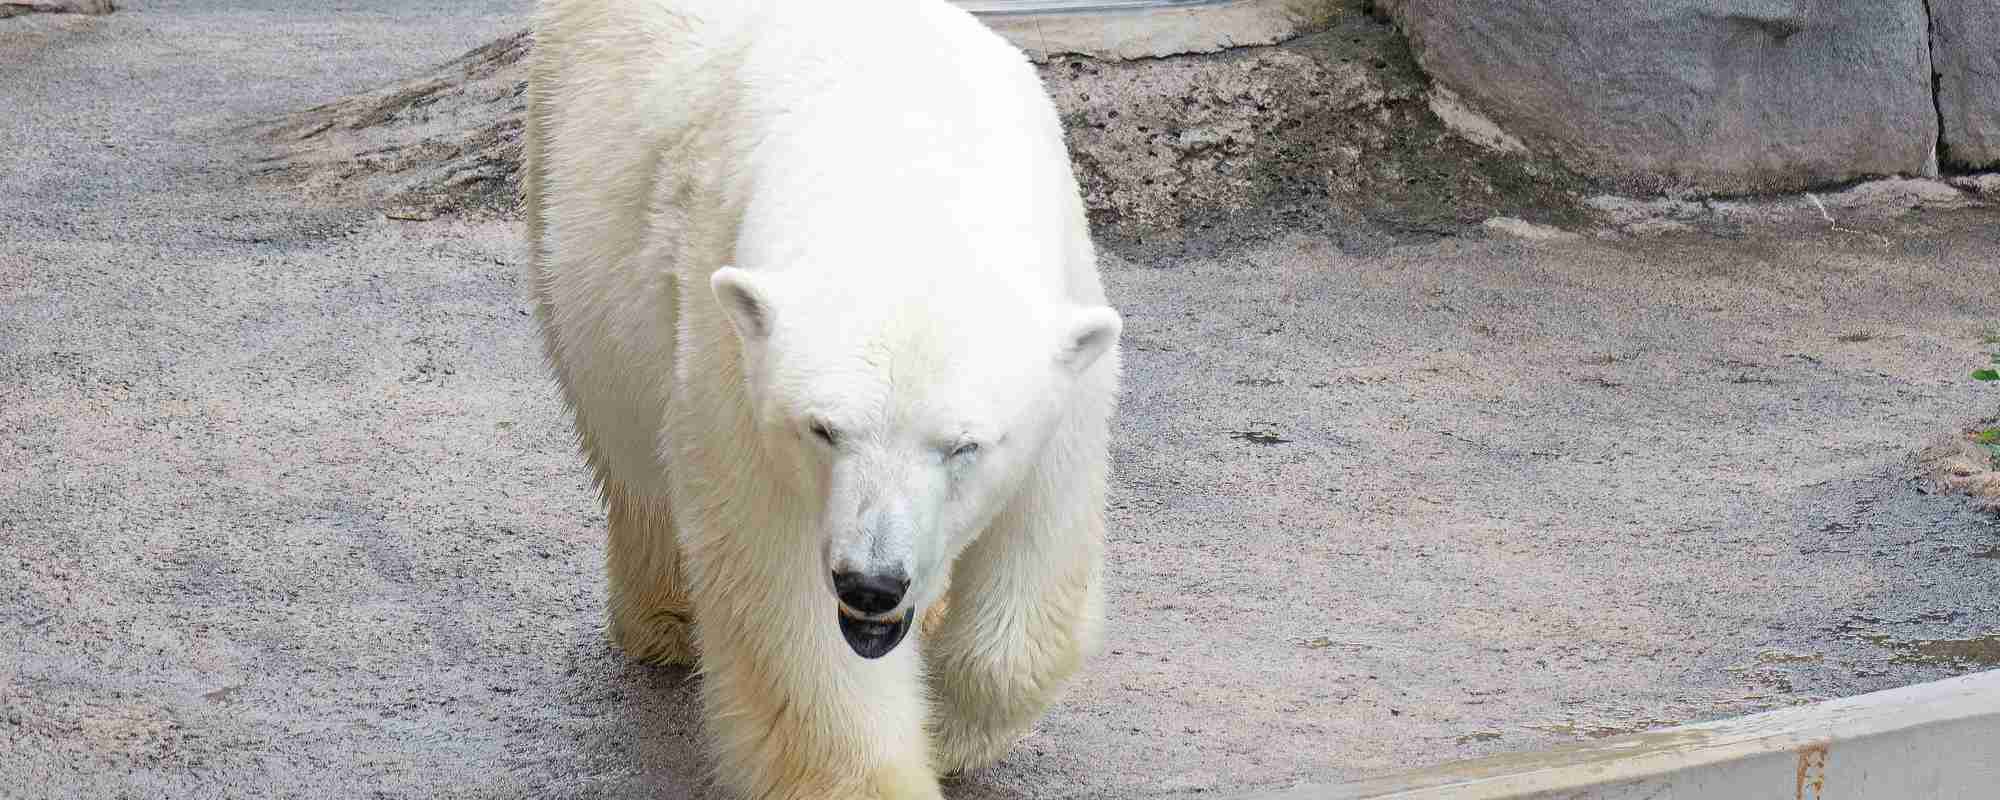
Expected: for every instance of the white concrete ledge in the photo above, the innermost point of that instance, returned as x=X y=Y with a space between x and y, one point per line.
x=1933 y=741
x=1152 y=32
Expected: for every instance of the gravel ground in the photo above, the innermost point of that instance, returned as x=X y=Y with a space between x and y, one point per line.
x=287 y=508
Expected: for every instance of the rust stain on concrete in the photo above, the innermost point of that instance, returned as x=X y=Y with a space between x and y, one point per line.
x=1812 y=772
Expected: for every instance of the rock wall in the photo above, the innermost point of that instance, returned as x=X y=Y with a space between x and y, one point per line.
x=1707 y=95
x=1330 y=130
x=1340 y=131
x=1965 y=42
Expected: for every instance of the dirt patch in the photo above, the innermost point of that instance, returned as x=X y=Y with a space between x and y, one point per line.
x=1966 y=463
x=444 y=143
x=1331 y=133
x=1860 y=210
x=16 y=9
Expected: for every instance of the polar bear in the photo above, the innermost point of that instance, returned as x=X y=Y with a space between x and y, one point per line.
x=816 y=284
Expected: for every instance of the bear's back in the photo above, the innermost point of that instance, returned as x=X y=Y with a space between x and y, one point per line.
x=896 y=143
x=910 y=138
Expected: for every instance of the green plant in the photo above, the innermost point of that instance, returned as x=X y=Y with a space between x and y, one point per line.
x=1989 y=440
x=1989 y=373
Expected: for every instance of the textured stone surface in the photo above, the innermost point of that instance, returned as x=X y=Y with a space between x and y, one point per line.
x=1858 y=210
x=1896 y=197
x=1332 y=129
x=1523 y=229
x=1712 y=95
x=1965 y=41
x=19 y=7
x=1987 y=185
x=1960 y=463
x=443 y=142
x=1160 y=31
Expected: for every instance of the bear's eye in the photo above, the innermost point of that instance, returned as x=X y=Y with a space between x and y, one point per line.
x=825 y=433
x=965 y=449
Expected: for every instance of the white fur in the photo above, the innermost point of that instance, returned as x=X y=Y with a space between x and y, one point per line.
x=749 y=217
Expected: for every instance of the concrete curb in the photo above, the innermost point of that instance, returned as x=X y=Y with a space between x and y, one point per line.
x=1932 y=740
x=1157 y=32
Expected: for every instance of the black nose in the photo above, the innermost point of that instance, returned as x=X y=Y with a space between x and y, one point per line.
x=871 y=594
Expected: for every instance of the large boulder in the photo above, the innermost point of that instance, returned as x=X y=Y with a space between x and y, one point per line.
x=1705 y=95
x=1965 y=41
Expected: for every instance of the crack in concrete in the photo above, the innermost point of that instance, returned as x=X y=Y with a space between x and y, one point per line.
x=1939 y=147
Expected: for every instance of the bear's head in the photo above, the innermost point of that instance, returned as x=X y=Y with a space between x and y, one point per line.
x=903 y=423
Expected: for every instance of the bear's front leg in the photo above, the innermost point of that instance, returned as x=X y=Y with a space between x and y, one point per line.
x=1025 y=605
x=647 y=606
x=794 y=713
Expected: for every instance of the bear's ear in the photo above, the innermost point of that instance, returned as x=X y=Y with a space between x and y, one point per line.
x=746 y=300
x=1092 y=331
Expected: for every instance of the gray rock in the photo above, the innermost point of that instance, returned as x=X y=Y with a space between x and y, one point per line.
x=1965 y=42
x=1707 y=95
x=442 y=142
x=1869 y=202
x=1987 y=185
x=1895 y=197
x=1523 y=229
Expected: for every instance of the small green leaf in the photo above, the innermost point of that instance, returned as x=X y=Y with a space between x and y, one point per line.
x=1988 y=436
x=1986 y=375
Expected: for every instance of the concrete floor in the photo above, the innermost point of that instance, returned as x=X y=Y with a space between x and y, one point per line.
x=287 y=507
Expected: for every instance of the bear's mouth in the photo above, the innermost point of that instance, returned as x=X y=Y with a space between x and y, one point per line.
x=872 y=638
